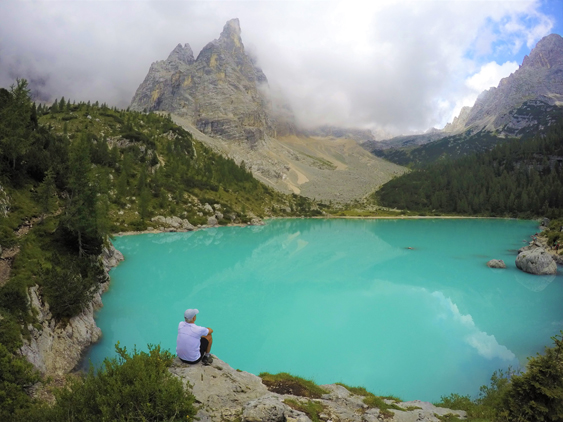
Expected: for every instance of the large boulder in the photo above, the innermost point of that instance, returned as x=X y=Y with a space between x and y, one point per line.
x=496 y=263
x=536 y=261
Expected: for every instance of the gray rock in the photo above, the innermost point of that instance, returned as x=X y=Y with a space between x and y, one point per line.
x=212 y=221
x=265 y=409
x=219 y=215
x=536 y=261
x=220 y=389
x=173 y=223
x=496 y=263
x=256 y=222
x=207 y=208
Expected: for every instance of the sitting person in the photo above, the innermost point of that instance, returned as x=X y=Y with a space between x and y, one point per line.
x=194 y=342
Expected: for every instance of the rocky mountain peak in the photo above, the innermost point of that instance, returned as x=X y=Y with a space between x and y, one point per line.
x=231 y=34
x=547 y=53
x=218 y=92
x=183 y=54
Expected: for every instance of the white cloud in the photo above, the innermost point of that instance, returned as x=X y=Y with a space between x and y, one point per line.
x=490 y=75
x=392 y=65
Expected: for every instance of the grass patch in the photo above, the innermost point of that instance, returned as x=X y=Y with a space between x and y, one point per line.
x=284 y=383
x=310 y=408
x=374 y=401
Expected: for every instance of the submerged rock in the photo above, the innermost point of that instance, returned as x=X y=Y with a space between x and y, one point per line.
x=536 y=261
x=496 y=263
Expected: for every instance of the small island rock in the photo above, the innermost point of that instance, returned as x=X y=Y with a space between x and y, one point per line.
x=536 y=261
x=496 y=263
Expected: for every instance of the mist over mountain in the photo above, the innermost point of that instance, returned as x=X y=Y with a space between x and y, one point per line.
x=223 y=98
x=523 y=104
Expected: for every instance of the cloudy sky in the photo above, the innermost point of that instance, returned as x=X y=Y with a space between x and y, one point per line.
x=394 y=66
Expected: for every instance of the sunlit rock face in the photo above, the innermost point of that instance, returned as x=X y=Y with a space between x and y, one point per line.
x=533 y=90
x=219 y=92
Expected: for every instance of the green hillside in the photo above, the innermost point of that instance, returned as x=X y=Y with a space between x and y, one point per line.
x=517 y=178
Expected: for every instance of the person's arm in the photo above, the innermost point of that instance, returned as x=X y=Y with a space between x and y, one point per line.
x=210 y=331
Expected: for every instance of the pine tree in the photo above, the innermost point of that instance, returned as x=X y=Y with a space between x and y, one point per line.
x=46 y=193
x=81 y=217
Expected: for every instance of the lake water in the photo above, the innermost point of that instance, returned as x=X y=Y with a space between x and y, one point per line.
x=342 y=300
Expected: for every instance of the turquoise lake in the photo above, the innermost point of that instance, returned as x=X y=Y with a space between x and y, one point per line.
x=342 y=300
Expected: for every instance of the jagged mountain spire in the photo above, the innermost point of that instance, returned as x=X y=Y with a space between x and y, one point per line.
x=183 y=54
x=218 y=91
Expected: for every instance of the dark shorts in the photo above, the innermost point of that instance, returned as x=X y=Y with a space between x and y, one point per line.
x=202 y=350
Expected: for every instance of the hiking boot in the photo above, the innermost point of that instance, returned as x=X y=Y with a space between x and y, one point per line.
x=207 y=360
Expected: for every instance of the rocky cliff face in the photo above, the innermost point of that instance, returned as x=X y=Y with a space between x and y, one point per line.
x=219 y=92
x=520 y=100
x=55 y=348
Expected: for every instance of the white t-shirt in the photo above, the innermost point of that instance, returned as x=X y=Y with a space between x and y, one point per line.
x=188 y=341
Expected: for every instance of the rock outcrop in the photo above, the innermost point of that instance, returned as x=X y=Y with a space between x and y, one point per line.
x=55 y=348
x=174 y=223
x=226 y=394
x=536 y=261
x=219 y=91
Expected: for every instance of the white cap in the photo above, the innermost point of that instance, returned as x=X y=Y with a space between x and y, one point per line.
x=190 y=313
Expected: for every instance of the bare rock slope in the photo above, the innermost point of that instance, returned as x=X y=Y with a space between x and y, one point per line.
x=324 y=168
x=226 y=394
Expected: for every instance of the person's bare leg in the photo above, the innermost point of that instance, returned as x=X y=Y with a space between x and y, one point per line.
x=209 y=338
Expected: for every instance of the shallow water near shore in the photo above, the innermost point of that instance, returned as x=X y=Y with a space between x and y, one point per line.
x=341 y=300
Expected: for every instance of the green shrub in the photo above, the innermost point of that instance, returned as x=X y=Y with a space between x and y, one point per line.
x=67 y=290
x=537 y=394
x=16 y=375
x=7 y=237
x=135 y=387
x=138 y=225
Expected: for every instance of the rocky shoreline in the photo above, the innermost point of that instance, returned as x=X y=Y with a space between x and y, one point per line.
x=227 y=394
x=55 y=347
